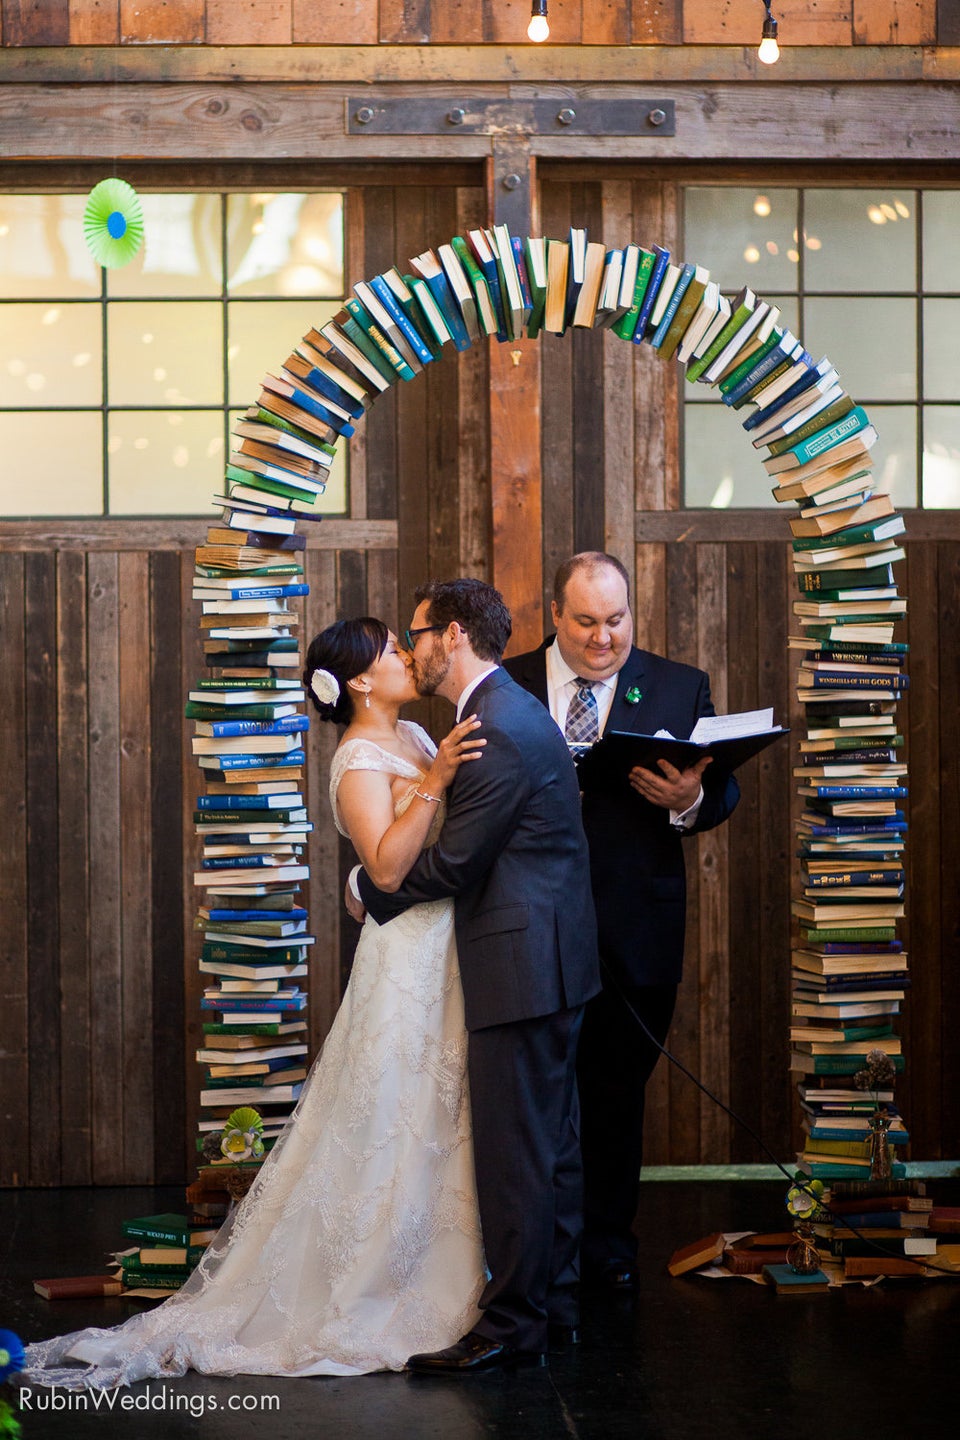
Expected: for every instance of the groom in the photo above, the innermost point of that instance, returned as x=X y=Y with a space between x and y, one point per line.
x=513 y=855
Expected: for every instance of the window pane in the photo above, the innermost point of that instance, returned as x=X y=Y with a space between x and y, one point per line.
x=941 y=226
x=941 y=457
x=941 y=349
x=860 y=240
x=181 y=252
x=895 y=453
x=42 y=248
x=165 y=463
x=52 y=463
x=262 y=334
x=51 y=354
x=285 y=244
x=165 y=353
x=744 y=236
x=872 y=343
x=722 y=468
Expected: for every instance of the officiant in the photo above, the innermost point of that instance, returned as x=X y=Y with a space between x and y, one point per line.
x=592 y=677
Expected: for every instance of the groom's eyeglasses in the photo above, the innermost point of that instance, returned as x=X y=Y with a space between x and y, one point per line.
x=410 y=636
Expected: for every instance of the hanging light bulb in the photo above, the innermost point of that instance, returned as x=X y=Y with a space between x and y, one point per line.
x=539 y=28
x=768 y=52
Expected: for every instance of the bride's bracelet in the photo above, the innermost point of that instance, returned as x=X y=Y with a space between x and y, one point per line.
x=434 y=799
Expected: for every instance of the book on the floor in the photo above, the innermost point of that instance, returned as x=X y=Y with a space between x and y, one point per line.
x=696 y=1254
x=78 y=1287
x=168 y=1229
x=786 y=1281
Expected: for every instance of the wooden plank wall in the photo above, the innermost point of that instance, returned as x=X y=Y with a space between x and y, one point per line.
x=99 y=640
x=456 y=22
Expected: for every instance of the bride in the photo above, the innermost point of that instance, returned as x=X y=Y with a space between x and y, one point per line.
x=359 y=1241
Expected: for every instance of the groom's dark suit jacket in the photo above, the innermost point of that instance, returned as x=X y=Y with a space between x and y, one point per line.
x=636 y=856
x=513 y=854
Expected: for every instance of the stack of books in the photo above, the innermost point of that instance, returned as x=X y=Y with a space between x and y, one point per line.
x=249 y=726
x=876 y=1228
x=166 y=1250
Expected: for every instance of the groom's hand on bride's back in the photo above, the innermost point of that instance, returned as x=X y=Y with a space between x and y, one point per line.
x=354 y=904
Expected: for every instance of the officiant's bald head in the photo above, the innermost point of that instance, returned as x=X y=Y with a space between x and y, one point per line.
x=591 y=612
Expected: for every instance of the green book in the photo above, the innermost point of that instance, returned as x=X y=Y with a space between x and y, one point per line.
x=855 y=422
x=435 y=328
x=880 y=529
x=627 y=323
x=374 y=354
x=166 y=1229
x=812 y=581
x=741 y=371
x=237 y=476
x=685 y=311
x=755 y=396
x=215 y=1027
x=267 y=417
x=136 y=1279
x=835 y=1064
x=213 y=951
x=199 y=710
x=741 y=309
x=217 y=572
x=535 y=251
x=839 y=933
x=242 y=818
x=487 y=316
x=386 y=347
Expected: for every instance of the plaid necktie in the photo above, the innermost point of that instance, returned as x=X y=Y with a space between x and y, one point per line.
x=582 y=728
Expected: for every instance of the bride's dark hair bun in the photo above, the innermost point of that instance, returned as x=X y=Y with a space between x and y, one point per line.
x=344 y=650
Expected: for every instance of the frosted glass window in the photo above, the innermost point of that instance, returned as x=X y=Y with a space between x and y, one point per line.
x=262 y=334
x=941 y=226
x=895 y=453
x=165 y=462
x=43 y=250
x=941 y=349
x=722 y=467
x=182 y=250
x=165 y=353
x=285 y=244
x=941 y=457
x=52 y=463
x=50 y=350
x=860 y=240
x=743 y=235
x=871 y=341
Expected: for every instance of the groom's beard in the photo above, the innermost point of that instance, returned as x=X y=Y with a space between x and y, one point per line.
x=431 y=671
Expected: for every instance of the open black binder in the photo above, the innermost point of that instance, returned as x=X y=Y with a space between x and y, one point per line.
x=618 y=751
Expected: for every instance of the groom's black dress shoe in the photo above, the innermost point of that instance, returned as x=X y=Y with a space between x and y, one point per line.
x=473 y=1352
x=620 y=1276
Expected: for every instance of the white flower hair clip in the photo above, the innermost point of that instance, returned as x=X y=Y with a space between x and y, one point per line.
x=325 y=686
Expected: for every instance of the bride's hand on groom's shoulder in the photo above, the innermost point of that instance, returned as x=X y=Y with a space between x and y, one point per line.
x=458 y=745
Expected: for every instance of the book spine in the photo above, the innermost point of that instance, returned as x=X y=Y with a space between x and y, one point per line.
x=626 y=326
x=659 y=269
x=406 y=326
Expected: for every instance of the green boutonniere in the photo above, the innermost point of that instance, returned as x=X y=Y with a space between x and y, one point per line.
x=633 y=696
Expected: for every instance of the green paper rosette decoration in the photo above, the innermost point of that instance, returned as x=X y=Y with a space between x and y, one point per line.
x=113 y=223
x=242 y=1135
x=803 y=1199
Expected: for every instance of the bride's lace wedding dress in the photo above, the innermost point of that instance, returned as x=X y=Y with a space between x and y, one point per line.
x=359 y=1241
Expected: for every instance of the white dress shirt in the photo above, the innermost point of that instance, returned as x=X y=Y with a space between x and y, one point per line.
x=561 y=687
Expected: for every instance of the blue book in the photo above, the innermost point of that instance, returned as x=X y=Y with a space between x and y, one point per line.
x=486 y=258
x=258 y=592
x=257 y=762
x=439 y=318
x=858 y=792
x=285 y=800
x=661 y=261
x=410 y=332
x=520 y=260
x=315 y=407
x=254 y=1004
x=286 y=725
x=679 y=290
x=325 y=386
x=297 y=913
x=238 y=862
x=811 y=373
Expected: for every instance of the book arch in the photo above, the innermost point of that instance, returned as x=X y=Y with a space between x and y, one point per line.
x=814 y=443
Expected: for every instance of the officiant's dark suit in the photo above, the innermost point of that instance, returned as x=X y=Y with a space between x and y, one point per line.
x=639 y=888
x=513 y=855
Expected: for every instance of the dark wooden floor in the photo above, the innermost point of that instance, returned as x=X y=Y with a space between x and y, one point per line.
x=689 y=1359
